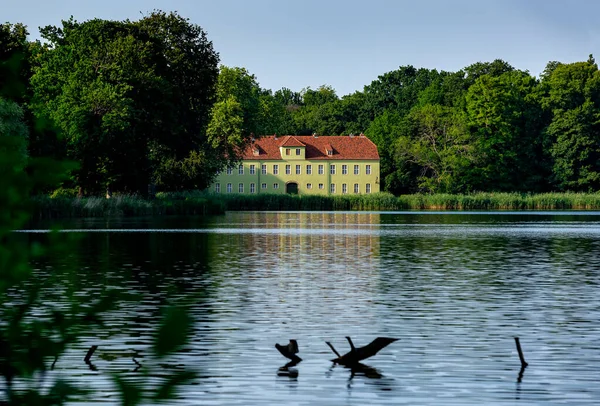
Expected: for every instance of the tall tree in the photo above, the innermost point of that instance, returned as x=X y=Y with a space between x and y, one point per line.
x=507 y=122
x=14 y=61
x=572 y=95
x=131 y=99
x=440 y=145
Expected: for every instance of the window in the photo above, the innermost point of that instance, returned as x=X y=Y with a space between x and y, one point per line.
x=252 y=188
x=288 y=169
x=297 y=151
x=309 y=185
x=252 y=169
x=287 y=151
x=275 y=169
x=344 y=188
x=321 y=171
x=217 y=188
x=332 y=169
x=263 y=186
x=344 y=169
x=368 y=188
x=368 y=170
x=263 y=169
x=332 y=188
x=229 y=170
x=298 y=170
x=356 y=190
x=321 y=186
x=309 y=169
x=241 y=169
x=241 y=188
x=229 y=188
x=275 y=185
x=356 y=170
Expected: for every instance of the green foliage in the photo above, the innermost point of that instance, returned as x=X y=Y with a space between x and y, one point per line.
x=130 y=98
x=13 y=132
x=571 y=92
x=172 y=332
x=440 y=145
x=506 y=121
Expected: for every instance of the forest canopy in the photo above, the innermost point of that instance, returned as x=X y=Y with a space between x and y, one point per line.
x=135 y=103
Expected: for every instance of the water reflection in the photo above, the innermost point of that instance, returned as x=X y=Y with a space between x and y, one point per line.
x=454 y=288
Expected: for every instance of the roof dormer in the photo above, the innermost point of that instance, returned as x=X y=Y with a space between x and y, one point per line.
x=292 y=149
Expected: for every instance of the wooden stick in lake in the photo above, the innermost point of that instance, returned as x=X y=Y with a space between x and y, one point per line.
x=523 y=363
x=89 y=354
x=358 y=354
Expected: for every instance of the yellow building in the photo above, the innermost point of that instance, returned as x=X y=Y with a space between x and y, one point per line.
x=295 y=164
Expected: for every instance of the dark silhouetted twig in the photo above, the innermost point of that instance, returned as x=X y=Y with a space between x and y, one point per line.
x=523 y=363
x=358 y=354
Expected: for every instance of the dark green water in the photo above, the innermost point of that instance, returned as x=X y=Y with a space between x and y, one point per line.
x=454 y=288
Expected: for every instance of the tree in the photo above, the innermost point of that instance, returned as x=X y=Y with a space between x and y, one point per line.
x=571 y=93
x=129 y=98
x=440 y=145
x=397 y=174
x=14 y=58
x=507 y=122
x=14 y=135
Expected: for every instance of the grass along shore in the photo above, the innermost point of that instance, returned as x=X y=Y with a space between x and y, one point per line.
x=202 y=203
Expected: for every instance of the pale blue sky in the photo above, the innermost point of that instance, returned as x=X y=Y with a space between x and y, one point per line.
x=347 y=44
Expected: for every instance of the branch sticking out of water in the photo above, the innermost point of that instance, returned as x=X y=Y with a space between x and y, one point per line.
x=523 y=363
x=89 y=354
x=358 y=354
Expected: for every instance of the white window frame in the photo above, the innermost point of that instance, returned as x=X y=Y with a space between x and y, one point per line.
x=368 y=188
x=263 y=169
x=240 y=188
x=321 y=186
x=252 y=169
x=309 y=185
x=344 y=169
x=229 y=170
x=344 y=188
x=332 y=188
x=321 y=169
x=217 y=188
x=356 y=169
x=241 y=169
x=252 y=188
x=275 y=169
x=229 y=188
x=263 y=186
x=309 y=169
x=275 y=185
x=332 y=169
x=298 y=169
x=356 y=188
x=288 y=169
x=368 y=170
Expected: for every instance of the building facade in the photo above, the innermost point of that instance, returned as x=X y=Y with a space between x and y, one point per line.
x=327 y=165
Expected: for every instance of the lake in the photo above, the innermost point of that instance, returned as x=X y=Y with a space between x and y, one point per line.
x=454 y=288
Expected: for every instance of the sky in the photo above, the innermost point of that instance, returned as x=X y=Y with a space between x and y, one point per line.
x=347 y=44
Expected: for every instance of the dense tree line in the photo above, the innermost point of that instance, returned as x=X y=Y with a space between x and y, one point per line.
x=146 y=102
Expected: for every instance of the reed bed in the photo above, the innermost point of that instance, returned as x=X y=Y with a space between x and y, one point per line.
x=202 y=203
x=123 y=205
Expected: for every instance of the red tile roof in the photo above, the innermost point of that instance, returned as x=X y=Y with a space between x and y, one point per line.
x=344 y=147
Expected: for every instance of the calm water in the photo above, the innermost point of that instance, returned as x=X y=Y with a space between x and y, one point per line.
x=454 y=288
